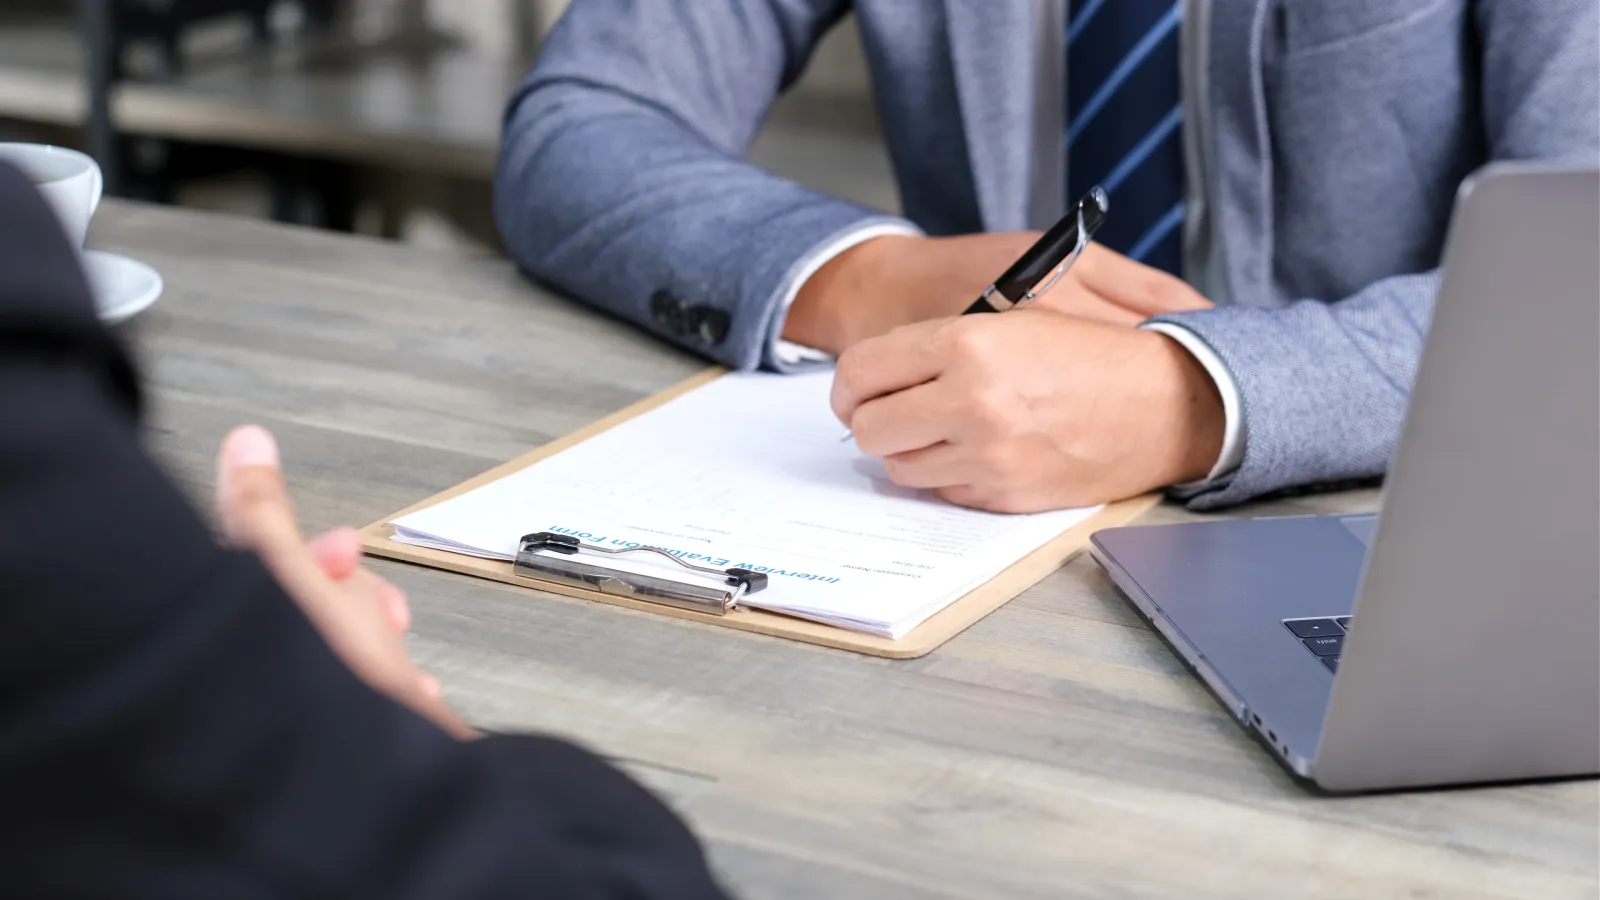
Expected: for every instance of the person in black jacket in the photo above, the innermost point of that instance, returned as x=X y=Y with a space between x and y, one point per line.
x=180 y=719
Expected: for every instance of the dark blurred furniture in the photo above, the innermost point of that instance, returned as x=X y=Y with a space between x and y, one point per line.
x=210 y=87
x=149 y=168
x=129 y=22
x=333 y=116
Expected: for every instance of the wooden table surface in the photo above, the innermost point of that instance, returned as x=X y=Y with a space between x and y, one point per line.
x=1056 y=749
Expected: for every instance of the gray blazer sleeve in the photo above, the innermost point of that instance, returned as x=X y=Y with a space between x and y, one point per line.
x=1324 y=385
x=622 y=178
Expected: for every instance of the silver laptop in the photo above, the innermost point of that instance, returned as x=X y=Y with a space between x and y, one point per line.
x=1455 y=638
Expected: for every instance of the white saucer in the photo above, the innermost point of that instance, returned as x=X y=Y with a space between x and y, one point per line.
x=123 y=287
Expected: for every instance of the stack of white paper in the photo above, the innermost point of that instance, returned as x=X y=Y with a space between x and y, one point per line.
x=750 y=471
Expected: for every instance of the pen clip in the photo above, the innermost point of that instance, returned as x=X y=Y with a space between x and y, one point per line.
x=1055 y=276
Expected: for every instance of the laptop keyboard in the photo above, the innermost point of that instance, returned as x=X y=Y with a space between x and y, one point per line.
x=1323 y=636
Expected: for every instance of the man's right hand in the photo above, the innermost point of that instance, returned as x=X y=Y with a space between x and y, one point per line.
x=884 y=283
x=362 y=617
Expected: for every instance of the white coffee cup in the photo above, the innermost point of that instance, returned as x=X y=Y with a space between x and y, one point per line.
x=70 y=182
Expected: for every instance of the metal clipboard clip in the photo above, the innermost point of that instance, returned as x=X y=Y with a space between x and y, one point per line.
x=547 y=556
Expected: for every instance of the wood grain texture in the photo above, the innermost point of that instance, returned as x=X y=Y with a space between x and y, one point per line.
x=1054 y=749
x=378 y=539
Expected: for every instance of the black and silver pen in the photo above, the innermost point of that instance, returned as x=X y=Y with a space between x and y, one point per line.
x=1047 y=260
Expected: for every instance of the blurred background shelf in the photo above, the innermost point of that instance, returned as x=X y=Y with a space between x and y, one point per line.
x=382 y=117
x=432 y=107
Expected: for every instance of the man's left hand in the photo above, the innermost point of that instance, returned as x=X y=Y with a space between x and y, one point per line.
x=1030 y=410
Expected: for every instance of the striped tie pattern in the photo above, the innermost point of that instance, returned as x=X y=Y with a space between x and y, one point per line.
x=1124 y=122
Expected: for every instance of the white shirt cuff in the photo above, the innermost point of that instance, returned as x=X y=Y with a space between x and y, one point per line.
x=787 y=352
x=1233 y=434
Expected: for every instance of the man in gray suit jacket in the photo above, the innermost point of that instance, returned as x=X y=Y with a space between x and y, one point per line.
x=1281 y=178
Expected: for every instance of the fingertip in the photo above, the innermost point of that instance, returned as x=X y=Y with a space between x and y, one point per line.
x=338 y=552
x=248 y=446
x=839 y=390
x=346 y=541
x=849 y=376
x=867 y=438
x=429 y=686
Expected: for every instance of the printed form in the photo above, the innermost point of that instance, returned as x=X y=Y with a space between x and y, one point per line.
x=749 y=471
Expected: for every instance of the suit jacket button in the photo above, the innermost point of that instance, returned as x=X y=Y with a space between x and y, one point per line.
x=711 y=324
x=667 y=312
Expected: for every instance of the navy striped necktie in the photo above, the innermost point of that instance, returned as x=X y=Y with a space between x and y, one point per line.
x=1124 y=123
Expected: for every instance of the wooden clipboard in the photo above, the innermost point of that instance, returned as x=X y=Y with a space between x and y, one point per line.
x=940 y=627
